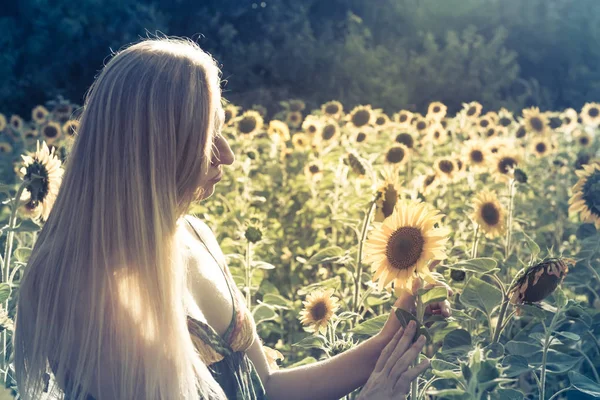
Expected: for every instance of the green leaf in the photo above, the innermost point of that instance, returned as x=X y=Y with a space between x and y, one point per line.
x=4 y=292
x=22 y=254
x=569 y=335
x=533 y=310
x=494 y=350
x=516 y=365
x=26 y=226
x=458 y=340
x=331 y=283
x=533 y=246
x=266 y=287
x=584 y=384
x=524 y=349
x=371 y=326
x=436 y=294
x=556 y=362
x=508 y=394
x=405 y=317
x=262 y=313
x=262 y=265
x=451 y=394
x=312 y=342
x=442 y=365
x=561 y=298
x=330 y=254
x=585 y=231
x=481 y=295
x=276 y=300
x=482 y=265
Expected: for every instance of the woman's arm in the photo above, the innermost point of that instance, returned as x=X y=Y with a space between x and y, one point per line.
x=328 y=379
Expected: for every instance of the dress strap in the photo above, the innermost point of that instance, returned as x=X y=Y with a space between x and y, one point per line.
x=232 y=324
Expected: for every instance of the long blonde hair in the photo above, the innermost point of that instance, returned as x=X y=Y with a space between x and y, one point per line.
x=101 y=299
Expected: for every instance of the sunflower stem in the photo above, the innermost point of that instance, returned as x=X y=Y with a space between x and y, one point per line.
x=592 y=270
x=498 y=329
x=475 y=242
x=511 y=195
x=361 y=244
x=248 y=275
x=414 y=385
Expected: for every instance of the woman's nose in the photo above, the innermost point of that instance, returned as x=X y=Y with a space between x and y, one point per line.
x=225 y=154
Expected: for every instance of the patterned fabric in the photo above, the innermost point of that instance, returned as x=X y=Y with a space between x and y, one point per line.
x=225 y=356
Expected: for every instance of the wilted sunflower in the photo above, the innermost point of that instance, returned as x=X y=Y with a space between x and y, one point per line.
x=357 y=163
x=51 y=132
x=231 y=112
x=398 y=155
x=403 y=117
x=5 y=148
x=569 y=120
x=388 y=191
x=70 y=127
x=360 y=116
x=539 y=281
x=586 y=194
x=446 y=168
x=437 y=133
x=44 y=171
x=504 y=163
x=39 y=114
x=2 y=122
x=489 y=214
x=476 y=154
x=472 y=110
x=541 y=147
x=300 y=141
x=279 y=129
x=400 y=248
x=333 y=109
x=582 y=138
x=249 y=123
x=312 y=125
x=319 y=307
x=590 y=114
x=535 y=121
x=436 y=111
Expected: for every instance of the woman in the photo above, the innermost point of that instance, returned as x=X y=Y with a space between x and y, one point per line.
x=125 y=297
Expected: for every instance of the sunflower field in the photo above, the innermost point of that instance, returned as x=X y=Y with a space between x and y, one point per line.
x=327 y=215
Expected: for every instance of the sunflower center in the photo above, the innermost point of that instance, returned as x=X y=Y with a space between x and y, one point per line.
x=40 y=115
x=567 y=121
x=471 y=111
x=490 y=214
x=584 y=140
x=459 y=164
x=521 y=132
x=361 y=137
x=38 y=176
x=395 y=155
x=429 y=180
x=446 y=166
x=536 y=124
x=361 y=118
x=555 y=122
x=593 y=112
x=540 y=147
x=331 y=109
x=591 y=193
x=404 y=247
x=328 y=132
x=436 y=109
x=318 y=311
x=490 y=132
x=380 y=121
x=484 y=123
x=247 y=125
x=405 y=139
x=50 y=131
x=294 y=117
x=228 y=115
x=505 y=163
x=504 y=121
x=421 y=125
x=476 y=156
x=403 y=118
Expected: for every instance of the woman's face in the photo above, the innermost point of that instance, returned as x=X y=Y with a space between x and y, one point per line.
x=221 y=155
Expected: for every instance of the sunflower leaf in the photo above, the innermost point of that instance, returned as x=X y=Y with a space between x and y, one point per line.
x=330 y=254
x=405 y=317
x=263 y=312
x=482 y=265
x=4 y=292
x=371 y=326
x=436 y=294
x=481 y=295
x=312 y=342
x=584 y=384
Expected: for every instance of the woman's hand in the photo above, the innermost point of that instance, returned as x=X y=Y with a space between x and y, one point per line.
x=392 y=375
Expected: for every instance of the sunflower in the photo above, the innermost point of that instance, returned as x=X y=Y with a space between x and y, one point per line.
x=539 y=281
x=489 y=214
x=504 y=163
x=590 y=114
x=388 y=191
x=582 y=138
x=554 y=121
x=446 y=168
x=535 y=122
x=70 y=127
x=16 y=122
x=300 y=141
x=296 y=105
x=44 y=171
x=472 y=110
x=358 y=164
x=2 y=122
x=505 y=118
x=249 y=123
x=400 y=248
x=279 y=129
x=382 y=121
x=333 y=109
x=437 y=133
x=398 y=154
x=51 y=132
x=314 y=170
x=436 y=111
x=31 y=134
x=586 y=194
x=312 y=125
x=483 y=123
x=406 y=139
x=231 y=112
x=569 y=120
x=360 y=116
x=490 y=132
x=294 y=119
x=541 y=147
x=63 y=110
x=330 y=130
x=319 y=307
x=403 y=117
x=420 y=124
x=496 y=144
x=5 y=148
x=39 y=114
x=362 y=135
x=476 y=154
x=521 y=132
x=427 y=183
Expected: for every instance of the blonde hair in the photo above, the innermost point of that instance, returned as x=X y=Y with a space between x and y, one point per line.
x=101 y=299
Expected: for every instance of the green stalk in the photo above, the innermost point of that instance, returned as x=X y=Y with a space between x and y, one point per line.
x=559 y=392
x=511 y=194
x=414 y=385
x=475 y=242
x=248 y=276
x=543 y=373
x=361 y=244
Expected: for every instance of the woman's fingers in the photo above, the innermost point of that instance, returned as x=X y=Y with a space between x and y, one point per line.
x=388 y=350
x=401 y=348
x=403 y=383
x=411 y=354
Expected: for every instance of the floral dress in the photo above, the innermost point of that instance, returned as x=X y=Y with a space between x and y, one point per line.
x=226 y=356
